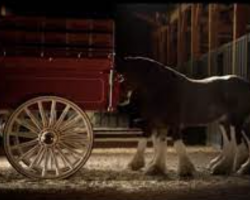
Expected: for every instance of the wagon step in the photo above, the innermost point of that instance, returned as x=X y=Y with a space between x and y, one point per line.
x=118 y=137
x=116 y=131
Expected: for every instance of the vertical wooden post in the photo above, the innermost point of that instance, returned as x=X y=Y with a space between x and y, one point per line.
x=195 y=32
x=179 y=38
x=162 y=44
x=183 y=36
x=181 y=31
x=154 y=44
x=212 y=32
x=169 y=49
x=240 y=20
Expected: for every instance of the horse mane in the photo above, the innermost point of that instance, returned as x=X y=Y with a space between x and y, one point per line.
x=157 y=65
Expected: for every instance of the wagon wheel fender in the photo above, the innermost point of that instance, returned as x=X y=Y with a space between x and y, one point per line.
x=48 y=137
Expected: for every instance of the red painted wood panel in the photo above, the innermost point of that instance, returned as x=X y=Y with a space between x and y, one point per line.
x=84 y=81
x=23 y=37
x=43 y=23
x=71 y=58
x=57 y=52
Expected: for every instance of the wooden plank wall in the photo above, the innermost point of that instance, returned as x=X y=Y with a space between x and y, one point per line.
x=56 y=37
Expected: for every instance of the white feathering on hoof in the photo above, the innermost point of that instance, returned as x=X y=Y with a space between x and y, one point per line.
x=186 y=167
x=224 y=135
x=225 y=140
x=240 y=156
x=245 y=167
x=138 y=160
x=158 y=164
x=225 y=165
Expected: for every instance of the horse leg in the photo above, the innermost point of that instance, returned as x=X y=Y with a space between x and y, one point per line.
x=225 y=142
x=241 y=153
x=155 y=146
x=138 y=161
x=185 y=166
x=226 y=163
x=158 y=164
x=245 y=167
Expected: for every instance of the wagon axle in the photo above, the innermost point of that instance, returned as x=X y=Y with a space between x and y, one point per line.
x=48 y=137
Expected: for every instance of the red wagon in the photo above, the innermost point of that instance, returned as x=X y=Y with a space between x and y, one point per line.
x=52 y=70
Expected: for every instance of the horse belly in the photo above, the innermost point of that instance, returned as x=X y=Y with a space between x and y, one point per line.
x=203 y=116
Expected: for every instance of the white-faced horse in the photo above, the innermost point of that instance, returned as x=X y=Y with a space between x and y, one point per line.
x=168 y=101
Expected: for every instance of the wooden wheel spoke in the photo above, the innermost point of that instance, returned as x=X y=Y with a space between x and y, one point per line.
x=73 y=151
x=42 y=114
x=25 y=144
x=46 y=159
x=70 y=123
x=51 y=158
x=36 y=159
x=41 y=156
x=62 y=116
x=53 y=113
x=77 y=134
x=64 y=158
x=79 y=144
x=54 y=160
x=79 y=139
x=27 y=125
x=33 y=119
x=29 y=153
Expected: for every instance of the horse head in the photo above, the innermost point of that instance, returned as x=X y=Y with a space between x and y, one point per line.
x=135 y=71
x=142 y=72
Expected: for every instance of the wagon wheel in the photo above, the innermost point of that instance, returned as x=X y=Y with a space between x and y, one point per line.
x=48 y=137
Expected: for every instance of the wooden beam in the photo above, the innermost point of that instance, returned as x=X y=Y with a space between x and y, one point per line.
x=181 y=42
x=169 y=49
x=179 y=39
x=184 y=27
x=241 y=18
x=163 y=44
x=213 y=21
x=195 y=33
x=148 y=19
x=240 y=21
x=181 y=8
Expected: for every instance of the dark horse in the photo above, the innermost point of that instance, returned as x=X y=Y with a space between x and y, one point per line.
x=168 y=101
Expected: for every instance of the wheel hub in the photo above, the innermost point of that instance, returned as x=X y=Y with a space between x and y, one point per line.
x=48 y=137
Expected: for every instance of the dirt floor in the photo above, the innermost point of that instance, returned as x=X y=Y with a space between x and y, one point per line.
x=105 y=177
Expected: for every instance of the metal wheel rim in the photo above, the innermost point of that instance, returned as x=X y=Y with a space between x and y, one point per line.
x=53 y=144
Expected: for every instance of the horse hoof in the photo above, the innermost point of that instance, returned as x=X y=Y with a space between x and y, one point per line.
x=155 y=170
x=187 y=172
x=186 y=176
x=221 y=168
x=218 y=172
x=245 y=168
x=186 y=168
x=136 y=165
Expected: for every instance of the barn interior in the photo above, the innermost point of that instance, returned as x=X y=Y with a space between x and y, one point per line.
x=197 y=39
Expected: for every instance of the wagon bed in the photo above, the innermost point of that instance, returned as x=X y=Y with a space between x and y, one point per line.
x=65 y=57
